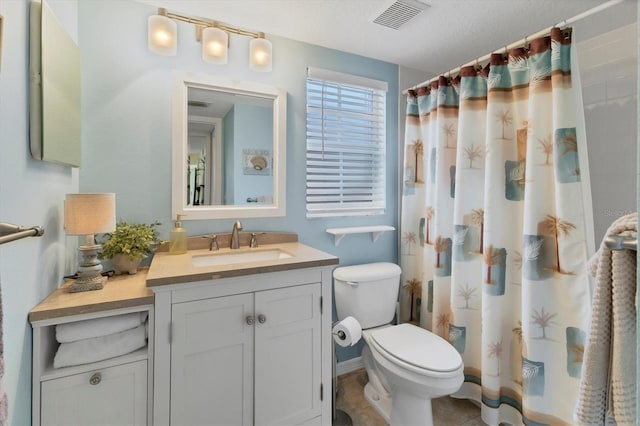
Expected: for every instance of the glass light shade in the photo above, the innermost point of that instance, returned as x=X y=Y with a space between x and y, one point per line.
x=260 y=57
x=162 y=35
x=215 y=44
x=86 y=214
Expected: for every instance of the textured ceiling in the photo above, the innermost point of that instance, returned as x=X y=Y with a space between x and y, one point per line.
x=448 y=34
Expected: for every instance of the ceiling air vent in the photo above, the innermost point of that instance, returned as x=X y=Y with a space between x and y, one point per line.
x=399 y=13
x=200 y=104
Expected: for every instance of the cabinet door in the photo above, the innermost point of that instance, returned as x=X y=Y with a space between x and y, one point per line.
x=287 y=355
x=212 y=362
x=111 y=396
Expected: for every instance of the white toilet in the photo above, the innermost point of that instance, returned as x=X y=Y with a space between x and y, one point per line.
x=407 y=365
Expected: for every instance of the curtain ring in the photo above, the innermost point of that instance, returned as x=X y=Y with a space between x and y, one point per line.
x=526 y=44
x=505 y=54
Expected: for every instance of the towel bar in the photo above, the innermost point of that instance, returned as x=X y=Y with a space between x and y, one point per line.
x=9 y=232
x=622 y=242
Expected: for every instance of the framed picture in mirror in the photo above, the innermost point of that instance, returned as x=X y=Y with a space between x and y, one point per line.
x=256 y=162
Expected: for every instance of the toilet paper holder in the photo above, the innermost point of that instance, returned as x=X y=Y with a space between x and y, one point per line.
x=346 y=332
x=341 y=335
x=339 y=417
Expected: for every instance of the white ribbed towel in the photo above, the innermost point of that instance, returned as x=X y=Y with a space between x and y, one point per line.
x=4 y=410
x=99 y=348
x=608 y=384
x=97 y=327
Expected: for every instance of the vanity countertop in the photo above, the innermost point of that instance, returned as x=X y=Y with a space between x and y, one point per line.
x=173 y=269
x=120 y=291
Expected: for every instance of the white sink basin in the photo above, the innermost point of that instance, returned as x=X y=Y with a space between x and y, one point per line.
x=229 y=258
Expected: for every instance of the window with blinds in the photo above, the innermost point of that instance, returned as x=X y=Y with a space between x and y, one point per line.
x=346 y=143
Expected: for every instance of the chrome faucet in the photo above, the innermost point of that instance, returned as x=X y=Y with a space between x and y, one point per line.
x=235 y=235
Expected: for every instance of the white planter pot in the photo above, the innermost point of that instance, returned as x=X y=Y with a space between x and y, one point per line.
x=122 y=264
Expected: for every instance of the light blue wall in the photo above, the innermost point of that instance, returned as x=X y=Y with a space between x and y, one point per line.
x=127 y=125
x=254 y=136
x=31 y=193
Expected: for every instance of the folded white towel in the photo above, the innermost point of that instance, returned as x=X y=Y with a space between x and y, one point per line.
x=99 y=348
x=97 y=327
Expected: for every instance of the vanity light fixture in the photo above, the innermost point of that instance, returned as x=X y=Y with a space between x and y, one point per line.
x=215 y=45
x=89 y=214
x=260 y=54
x=162 y=39
x=162 y=34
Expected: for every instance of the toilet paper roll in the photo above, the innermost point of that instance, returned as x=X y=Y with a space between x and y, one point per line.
x=347 y=332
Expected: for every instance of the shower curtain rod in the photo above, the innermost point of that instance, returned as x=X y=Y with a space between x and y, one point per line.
x=520 y=42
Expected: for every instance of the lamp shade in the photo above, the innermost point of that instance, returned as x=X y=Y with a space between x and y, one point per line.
x=215 y=44
x=86 y=214
x=162 y=35
x=260 y=57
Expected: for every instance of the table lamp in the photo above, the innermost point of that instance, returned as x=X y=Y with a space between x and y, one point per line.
x=89 y=214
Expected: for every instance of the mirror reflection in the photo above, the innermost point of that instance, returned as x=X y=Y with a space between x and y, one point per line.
x=230 y=148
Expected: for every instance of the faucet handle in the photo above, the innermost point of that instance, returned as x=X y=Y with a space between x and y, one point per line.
x=253 y=243
x=214 y=243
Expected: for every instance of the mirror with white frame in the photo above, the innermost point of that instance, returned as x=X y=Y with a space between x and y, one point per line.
x=229 y=148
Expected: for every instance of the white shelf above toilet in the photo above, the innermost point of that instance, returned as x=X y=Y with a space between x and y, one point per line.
x=375 y=230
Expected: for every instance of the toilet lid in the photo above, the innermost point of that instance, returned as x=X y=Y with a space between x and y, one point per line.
x=418 y=347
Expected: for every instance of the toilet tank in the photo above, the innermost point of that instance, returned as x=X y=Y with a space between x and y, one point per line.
x=367 y=292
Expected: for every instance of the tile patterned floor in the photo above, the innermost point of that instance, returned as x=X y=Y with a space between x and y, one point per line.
x=446 y=411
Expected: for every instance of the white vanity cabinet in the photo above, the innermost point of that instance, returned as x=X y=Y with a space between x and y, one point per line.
x=232 y=347
x=114 y=391
x=246 y=350
x=114 y=395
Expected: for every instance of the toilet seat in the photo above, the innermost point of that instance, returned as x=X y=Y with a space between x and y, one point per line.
x=416 y=349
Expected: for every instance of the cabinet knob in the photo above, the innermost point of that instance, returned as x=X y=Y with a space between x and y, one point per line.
x=250 y=320
x=262 y=318
x=95 y=379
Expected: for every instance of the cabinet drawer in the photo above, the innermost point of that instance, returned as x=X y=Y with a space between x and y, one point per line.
x=110 y=396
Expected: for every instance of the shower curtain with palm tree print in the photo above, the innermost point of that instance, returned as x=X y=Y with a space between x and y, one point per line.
x=493 y=229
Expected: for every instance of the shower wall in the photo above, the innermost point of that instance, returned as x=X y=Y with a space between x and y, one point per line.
x=607 y=48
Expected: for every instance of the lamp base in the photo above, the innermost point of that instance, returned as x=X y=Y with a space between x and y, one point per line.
x=89 y=271
x=86 y=284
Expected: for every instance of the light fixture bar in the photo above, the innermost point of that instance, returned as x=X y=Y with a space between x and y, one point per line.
x=214 y=36
x=205 y=23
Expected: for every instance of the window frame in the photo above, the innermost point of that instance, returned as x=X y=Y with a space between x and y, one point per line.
x=346 y=144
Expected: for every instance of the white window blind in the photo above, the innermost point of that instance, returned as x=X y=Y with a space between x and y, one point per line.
x=346 y=144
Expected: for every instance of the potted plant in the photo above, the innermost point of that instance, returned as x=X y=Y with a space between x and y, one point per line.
x=129 y=244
